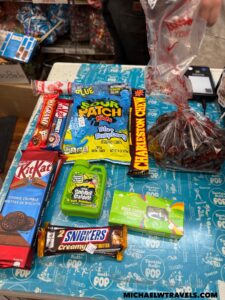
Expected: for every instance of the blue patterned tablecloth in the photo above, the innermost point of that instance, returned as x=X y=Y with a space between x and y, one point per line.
x=193 y=264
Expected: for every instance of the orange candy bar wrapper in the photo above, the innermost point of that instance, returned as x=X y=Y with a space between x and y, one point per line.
x=139 y=166
x=42 y=129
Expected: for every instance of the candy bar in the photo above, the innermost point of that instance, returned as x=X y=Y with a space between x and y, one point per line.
x=19 y=183
x=138 y=139
x=52 y=87
x=24 y=206
x=108 y=240
x=58 y=128
x=157 y=216
x=39 y=183
x=42 y=129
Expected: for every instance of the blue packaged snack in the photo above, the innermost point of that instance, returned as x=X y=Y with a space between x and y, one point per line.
x=17 y=46
x=98 y=129
x=58 y=128
x=35 y=22
x=56 y=13
x=23 y=207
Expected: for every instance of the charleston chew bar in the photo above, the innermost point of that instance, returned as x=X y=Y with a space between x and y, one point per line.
x=138 y=139
x=108 y=240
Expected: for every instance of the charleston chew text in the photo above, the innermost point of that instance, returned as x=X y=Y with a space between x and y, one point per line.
x=138 y=138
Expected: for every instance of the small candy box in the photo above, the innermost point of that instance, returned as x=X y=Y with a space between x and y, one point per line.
x=17 y=46
x=84 y=191
x=149 y=214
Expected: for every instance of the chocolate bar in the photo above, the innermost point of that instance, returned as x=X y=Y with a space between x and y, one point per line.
x=138 y=138
x=108 y=240
x=59 y=125
x=39 y=183
x=19 y=183
x=52 y=87
x=23 y=207
x=42 y=129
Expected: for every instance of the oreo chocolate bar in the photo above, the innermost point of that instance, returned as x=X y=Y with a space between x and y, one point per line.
x=23 y=207
x=108 y=240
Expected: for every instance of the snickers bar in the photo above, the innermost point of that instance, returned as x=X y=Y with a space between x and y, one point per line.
x=108 y=240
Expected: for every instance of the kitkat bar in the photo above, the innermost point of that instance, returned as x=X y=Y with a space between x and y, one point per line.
x=43 y=126
x=23 y=207
x=59 y=124
x=138 y=138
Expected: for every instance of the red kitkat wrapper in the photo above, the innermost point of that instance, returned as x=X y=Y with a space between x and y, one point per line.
x=23 y=208
x=42 y=129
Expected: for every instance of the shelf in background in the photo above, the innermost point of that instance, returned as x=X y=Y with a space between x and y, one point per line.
x=68 y=47
x=76 y=2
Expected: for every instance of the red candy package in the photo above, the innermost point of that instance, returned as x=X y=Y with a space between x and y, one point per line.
x=182 y=139
x=42 y=129
x=23 y=207
x=52 y=87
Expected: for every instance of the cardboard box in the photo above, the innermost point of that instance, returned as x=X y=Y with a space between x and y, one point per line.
x=16 y=96
x=17 y=100
x=157 y=216
x=17 y=46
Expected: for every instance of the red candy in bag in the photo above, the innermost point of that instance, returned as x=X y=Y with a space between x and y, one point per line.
x=181 y=139
x=185 y=140
x=175 y=33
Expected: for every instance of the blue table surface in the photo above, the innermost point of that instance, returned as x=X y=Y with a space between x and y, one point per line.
x=193 y=264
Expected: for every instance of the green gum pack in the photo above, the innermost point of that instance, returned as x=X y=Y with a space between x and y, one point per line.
x=157 y=216
x=84 y=191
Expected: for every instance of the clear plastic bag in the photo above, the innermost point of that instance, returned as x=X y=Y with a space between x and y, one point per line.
x=181 y=139
x=221 y=90
x=174 y=33
x=186 y=140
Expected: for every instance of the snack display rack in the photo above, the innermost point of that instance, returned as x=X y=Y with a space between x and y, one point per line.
x=68 y=44
x=195 y=263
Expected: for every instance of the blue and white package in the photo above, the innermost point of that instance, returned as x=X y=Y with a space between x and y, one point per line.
x=60 y=121
x=55 y=14
x=23 y=207
x=16 y=46
x=35 y=22
x=98 y=129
